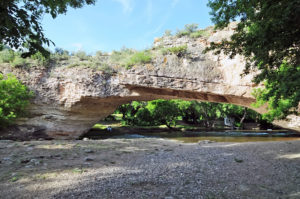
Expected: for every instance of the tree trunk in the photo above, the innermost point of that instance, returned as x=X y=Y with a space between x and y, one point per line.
x=243 y=118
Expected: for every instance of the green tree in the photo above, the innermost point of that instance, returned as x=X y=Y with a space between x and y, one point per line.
x=163 y=112
x=129 y=112
x=20 y=22
x=190 y=111
x=268 y=36
x=241 y=114
x=14 y=98
x=209 y=111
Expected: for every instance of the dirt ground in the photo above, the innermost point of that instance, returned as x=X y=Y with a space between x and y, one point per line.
x=149 y=168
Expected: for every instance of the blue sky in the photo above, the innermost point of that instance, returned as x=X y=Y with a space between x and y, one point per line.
x=111 y=24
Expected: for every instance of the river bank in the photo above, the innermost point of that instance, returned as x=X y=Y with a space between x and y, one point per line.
x=149 y=168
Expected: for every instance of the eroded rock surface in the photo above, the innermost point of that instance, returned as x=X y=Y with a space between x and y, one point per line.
x=69 y=101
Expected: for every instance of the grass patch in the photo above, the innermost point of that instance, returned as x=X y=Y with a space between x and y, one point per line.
x=105 y=68
x=79 y=170
x=6 y=56
x=128 y=57
x=142 y=57
x=18 y=62
x=99 y=126
x=200 y=33
x=177 y=50
x=16 y=176
x=81 y=55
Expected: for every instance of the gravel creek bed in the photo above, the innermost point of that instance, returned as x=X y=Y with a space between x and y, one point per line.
x=149 y=168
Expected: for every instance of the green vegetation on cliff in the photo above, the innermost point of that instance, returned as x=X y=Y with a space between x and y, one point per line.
x=14 y=98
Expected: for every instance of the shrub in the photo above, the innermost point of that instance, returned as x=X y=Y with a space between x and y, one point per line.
x=81 y=55
x=72 y=65
x=164 y=51
x=106 y=68
x=60 y=54
x=99 y=53
x=188 y=29
x=18 y=62
x=199 y=33
x=6 y=56
x=168 y=33
x=14 y=98
x=181 y=33
x=178 y=50
x=40 y=58
x=142 y=57
x=121 y=57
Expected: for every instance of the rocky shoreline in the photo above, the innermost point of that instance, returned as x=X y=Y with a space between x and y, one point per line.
x=149 y=168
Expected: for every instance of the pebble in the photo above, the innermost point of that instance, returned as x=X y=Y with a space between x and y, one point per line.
x=29 y=149
x=6 y=159
x=24 y=161
x=206 y=142
x=89 y=151
x=88 y=159
x=35 y=161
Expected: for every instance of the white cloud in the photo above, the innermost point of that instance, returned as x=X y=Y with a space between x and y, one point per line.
x=127 y=5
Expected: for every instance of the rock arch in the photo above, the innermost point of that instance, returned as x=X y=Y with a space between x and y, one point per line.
x=69 y=101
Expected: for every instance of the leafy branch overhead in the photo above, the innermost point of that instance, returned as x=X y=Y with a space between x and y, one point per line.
x=20 y=25
x=268 y=36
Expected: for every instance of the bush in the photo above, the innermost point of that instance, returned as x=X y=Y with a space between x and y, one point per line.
x=199 y=33
x=168 y=33
x=178 y=50
x=188 y=29
x=121 y=57
x=73 y=65
x=181 y=33
x=14 y=98
x=139 y=58
x=40 y=58
x=7 y=56
x=60 y=54
x=81 y=55
x=106 y=68
x=18 y=62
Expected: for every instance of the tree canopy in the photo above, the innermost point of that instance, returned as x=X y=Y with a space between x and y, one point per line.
x=168 y=112
x=20 y=25
x=268 y=36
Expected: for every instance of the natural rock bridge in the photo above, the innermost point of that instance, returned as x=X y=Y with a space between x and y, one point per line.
x=69 y=101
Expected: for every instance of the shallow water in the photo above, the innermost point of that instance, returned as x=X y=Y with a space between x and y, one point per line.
x=222 y=136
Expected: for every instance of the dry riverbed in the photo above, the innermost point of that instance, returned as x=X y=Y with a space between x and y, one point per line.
x=149 y=168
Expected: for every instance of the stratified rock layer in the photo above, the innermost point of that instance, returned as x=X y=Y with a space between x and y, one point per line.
x=69 y=101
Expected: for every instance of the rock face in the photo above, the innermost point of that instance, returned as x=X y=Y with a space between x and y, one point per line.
x=69 y=101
